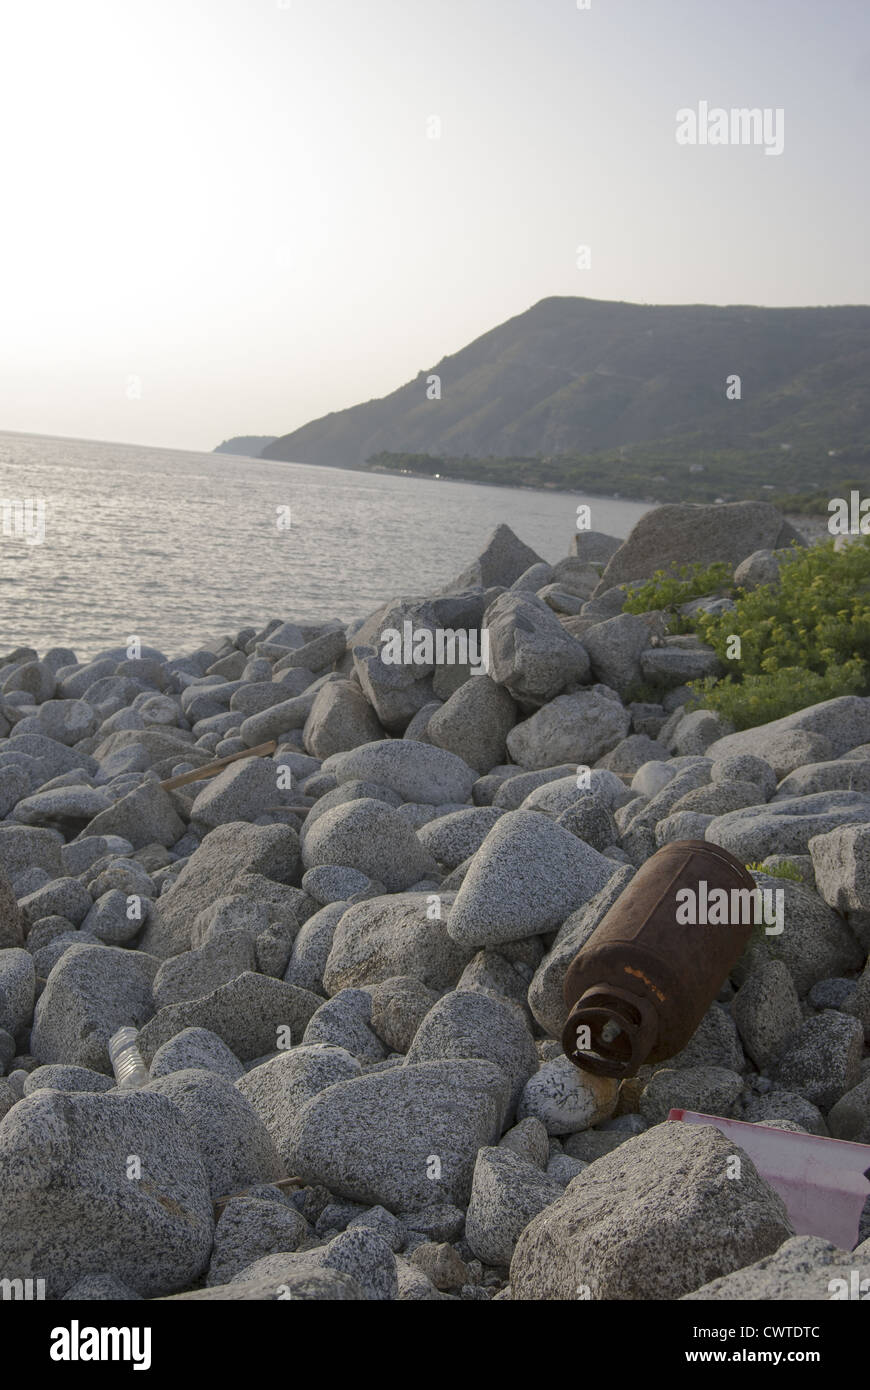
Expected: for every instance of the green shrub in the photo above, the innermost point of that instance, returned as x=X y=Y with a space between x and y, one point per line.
x=669 y=591
x=803 y=640
x=786 y=870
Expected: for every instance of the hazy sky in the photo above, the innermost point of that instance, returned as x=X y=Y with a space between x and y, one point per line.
x=228 y=216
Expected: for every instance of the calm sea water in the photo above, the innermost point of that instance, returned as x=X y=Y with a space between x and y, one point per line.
x=174 y=546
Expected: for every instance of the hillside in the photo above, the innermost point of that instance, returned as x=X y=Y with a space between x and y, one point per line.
x=605 y=383
x=249 y=445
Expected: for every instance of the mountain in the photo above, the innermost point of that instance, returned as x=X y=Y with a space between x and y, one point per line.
x=575 y=378
x=249 y=445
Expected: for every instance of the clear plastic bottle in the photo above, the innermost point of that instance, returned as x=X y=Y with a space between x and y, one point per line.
x=127 y=1064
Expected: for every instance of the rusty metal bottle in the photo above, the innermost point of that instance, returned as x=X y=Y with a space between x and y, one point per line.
x=645 y=978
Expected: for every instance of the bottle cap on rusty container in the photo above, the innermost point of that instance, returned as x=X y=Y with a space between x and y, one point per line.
x=610 y=1032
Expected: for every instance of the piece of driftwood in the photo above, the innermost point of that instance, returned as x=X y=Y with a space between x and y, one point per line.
x=197 y=774
x=281 y=1182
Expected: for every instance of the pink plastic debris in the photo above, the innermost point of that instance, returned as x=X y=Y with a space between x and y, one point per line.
x=821 y=1181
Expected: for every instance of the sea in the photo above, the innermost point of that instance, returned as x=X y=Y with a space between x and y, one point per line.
x=102 y=542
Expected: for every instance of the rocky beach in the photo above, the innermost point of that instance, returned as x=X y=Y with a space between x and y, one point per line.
x=343 y=950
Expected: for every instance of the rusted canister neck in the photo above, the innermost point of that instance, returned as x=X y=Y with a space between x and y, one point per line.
x=610 y=1032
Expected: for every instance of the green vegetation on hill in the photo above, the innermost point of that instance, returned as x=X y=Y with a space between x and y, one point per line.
x=660 y=473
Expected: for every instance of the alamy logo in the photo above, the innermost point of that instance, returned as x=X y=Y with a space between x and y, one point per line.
x=22 y=1290
x=77 y=1343
x=24 y=518
x=849 y=518
x=717 y=907
x=741 y=125
x=422 y=646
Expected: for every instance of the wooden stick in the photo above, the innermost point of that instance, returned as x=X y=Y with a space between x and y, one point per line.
x=262 y=750
x=281 y=1182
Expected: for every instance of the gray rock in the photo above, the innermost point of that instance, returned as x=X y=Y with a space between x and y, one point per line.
x=595 y=546
x=193 y=974
x=474 y=723
x=654 y=1219
x=247 y=1230
x=465 y=1024
x=566 y=1099
x=451 y=839
x=237 y=1149
x=767 y=1012
x=714 y=1043
x=802 y=1269
x=777 y=1108
x=492 y=973
x=28 y=847
x=564 y=1169
x=62 y=897
x=404 y=934
x=675 y=663
x=590 y=822
x=745 y=767
x=718 y=798
x=372 y=838
x=278 y=1089
x=787 y=826
x=342 y=795
x=65 y=1078
x=526 y=878
x=243 y=791
x=145 y=816
x=849 y=1118
x=840 y=774
x=710 y=1090
x=411 y=1133
x=843 y=723
x=11 y=923
x=415 y=771
x=815 y=943
x=506 y=1193
x=312 y=947
x=683 y=533
x=195 y=1048
x=578 y=728
x=399 y=1005
x=840 y=862
x=441 y=1264
x=90 y=993
x=280 y=720
x=69 y=1206
x=249 y=1014
x=396 y=692
x=830 y=994
x=99 y=1288
x=824 y=1060
x=615 y=648
x=60 y=807
x=528 y=1139
x=545 y=992
x=531 y=653
x=332 y=883
x=503 y=559
x=344 y=1021
x=225 y=853
x=633 y=753
x=271 y=1279
x=17 y=989
x=110 y=919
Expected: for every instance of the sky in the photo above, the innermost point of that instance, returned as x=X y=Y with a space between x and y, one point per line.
x=224 y=217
